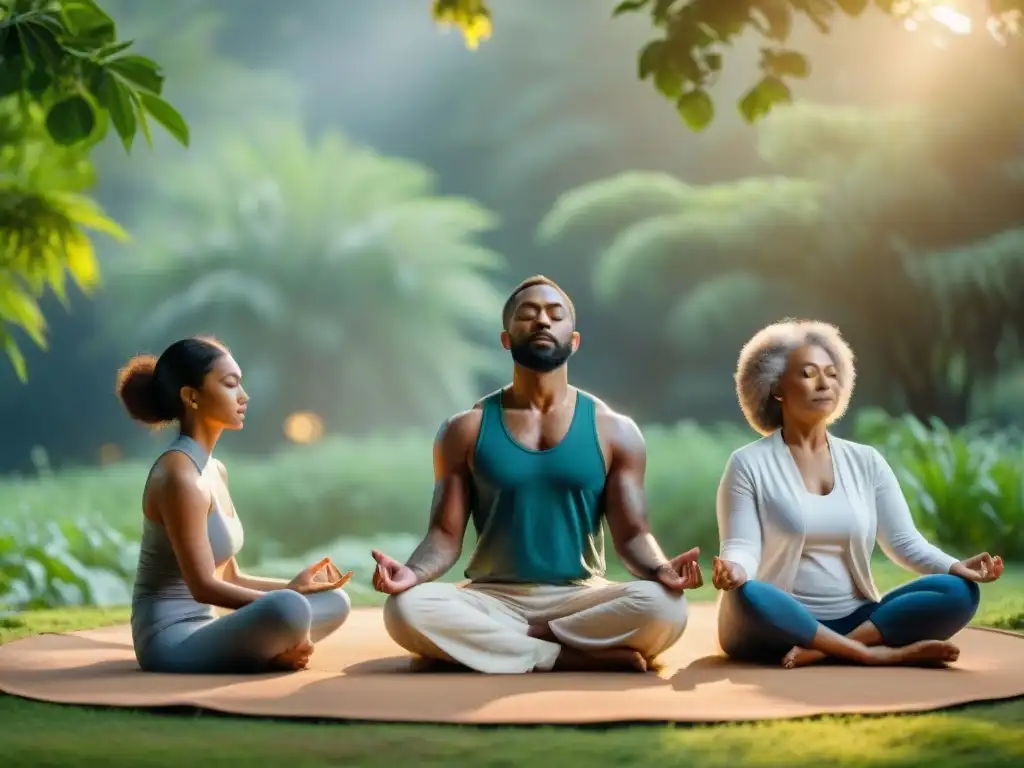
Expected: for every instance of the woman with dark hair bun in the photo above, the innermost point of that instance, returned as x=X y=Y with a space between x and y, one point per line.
x=191 y=534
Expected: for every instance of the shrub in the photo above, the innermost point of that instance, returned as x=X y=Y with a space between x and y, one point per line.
x=965 y=488
x=111 y=496
x=297 y=499
x=48 y=564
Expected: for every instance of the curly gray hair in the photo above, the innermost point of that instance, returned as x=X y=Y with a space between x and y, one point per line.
x=763 y=361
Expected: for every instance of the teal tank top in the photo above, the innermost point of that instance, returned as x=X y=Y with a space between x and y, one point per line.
x=537 y=514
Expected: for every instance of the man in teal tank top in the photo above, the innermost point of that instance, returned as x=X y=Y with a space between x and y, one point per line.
x=537 y=467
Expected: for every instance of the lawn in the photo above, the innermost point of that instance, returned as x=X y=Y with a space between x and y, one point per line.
x=38 y=734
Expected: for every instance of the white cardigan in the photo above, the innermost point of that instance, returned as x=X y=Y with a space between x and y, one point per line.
x=761 y=519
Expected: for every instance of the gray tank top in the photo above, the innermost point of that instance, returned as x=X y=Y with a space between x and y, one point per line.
x=160 y=596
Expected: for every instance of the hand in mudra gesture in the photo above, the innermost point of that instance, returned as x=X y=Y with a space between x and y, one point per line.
x=321 y=576
x=727 y=575
x=681 y=572
x=392 y=577
x=980 y=569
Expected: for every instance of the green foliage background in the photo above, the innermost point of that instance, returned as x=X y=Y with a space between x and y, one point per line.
x=353 y=243
x=77 y=529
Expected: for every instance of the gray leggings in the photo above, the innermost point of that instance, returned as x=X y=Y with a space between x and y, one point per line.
x=247 y=639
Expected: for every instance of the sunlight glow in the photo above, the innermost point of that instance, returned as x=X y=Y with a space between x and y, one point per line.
x=110 y=453
x=1005 y=25
x=951 y=19
x=303 y=427
x=922 y=14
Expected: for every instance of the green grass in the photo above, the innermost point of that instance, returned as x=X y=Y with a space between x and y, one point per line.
x=38 y=734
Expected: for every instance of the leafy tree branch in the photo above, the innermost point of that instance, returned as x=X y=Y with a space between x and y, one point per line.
x=686 y=59
x=65 y=78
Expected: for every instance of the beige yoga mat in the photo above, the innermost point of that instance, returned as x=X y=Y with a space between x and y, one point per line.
x=360 y=674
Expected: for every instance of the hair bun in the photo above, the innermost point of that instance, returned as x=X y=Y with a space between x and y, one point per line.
x=138 y=390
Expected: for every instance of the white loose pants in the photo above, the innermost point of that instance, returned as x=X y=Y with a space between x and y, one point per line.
x=484 y=626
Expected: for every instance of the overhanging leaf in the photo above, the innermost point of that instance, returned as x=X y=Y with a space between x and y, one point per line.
x=117 y=100
x=627 y=6
x=696 y=109
x=651 y=59
x=166 y=115
x=71 y=121
x=140 y=71
x=763 y=97
x=783 y=63
x=852 y=7
x=89 y=22
x=14 y=354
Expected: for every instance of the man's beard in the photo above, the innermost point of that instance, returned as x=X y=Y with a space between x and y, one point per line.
x=541 y=359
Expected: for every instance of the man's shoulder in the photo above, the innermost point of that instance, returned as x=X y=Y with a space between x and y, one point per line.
x=620 y=428
x=464 y=425
x=472 y=415
x=488 y=398
x=603 y=410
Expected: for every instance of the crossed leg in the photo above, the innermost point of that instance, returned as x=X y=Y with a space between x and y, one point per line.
x=932 y=607
x=912 y=624
x=246 y=640
x=510 y=629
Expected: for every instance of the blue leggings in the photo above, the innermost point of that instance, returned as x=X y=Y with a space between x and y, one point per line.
x=248 y=639
x=760 y=623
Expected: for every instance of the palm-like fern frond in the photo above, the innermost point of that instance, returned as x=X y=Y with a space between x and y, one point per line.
x=753 y=223
x=978 y=286
x=852 y=233
x=825 y=140
x=614 y=203
x=711 y=308
x=297 y=251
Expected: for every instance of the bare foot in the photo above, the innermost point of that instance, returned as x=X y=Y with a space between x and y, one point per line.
x=294 y=658
x=926 y=652
x=607 y=660
x=575 y=660
x=541 y=632
x=801 y=657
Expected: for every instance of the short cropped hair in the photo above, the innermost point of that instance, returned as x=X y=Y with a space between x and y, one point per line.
x=763 y=362
x=530 y=282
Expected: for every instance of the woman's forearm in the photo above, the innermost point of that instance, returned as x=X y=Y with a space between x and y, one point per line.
x=898 y=535
x=222 y=593
x=260 y=583
x=233 y=574
x=915 y=554
x=739 y=524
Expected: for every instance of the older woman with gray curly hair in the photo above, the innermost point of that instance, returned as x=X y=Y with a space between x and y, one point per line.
x=799 y=512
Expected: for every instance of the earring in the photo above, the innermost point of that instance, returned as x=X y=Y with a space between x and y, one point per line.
x=194 y=405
